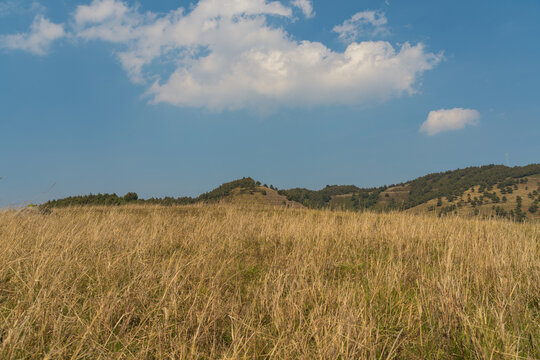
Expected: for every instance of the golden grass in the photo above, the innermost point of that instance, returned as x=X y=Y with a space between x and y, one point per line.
x=225 y=282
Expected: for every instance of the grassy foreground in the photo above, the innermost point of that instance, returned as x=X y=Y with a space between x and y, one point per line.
x=225 y=282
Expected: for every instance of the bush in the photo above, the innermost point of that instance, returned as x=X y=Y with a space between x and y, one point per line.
x=131 y=196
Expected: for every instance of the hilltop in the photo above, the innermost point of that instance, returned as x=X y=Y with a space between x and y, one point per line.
x=488 y=191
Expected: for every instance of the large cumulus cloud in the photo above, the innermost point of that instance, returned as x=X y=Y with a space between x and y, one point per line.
x=229 y=54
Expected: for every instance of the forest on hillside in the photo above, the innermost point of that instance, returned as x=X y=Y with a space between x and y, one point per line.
x=445 y=184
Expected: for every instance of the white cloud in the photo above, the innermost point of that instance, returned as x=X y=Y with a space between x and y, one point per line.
x=296 y=75
x=18 y=7
x=449 y=120
x=365 y=23
x=226 y=54
x=100 y=11
x=306 y=6
x=38 y=40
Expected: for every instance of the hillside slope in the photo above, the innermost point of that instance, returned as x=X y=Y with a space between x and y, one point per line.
x=516 y=199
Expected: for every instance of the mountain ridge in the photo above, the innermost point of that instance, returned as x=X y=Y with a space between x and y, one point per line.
x=462 y=191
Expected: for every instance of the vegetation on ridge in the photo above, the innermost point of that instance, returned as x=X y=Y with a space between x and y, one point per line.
x=455 y=183
x=132 y=198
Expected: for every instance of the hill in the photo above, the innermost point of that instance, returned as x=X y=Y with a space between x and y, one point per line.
x=487 y=191
x=242 y=191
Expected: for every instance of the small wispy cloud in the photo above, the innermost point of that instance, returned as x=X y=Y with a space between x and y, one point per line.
x=38 y=40
x=449 y=120
x=18 y=7
x=306 y=6
x=362 y=24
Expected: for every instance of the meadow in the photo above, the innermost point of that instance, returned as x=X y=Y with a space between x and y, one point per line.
x=247 y=282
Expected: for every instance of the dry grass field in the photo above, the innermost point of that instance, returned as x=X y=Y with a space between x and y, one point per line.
x=233 y=282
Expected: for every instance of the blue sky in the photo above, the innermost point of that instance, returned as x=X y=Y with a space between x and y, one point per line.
x=111 y=96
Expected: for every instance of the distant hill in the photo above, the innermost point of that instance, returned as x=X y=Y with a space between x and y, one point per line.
x=242 y=191
x=492 y=190
x=488 y=191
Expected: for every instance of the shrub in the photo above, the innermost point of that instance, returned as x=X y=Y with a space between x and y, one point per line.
x=131 y=196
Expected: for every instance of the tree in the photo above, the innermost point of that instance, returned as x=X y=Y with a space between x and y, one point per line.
x=500 y=212
x=131 y=196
